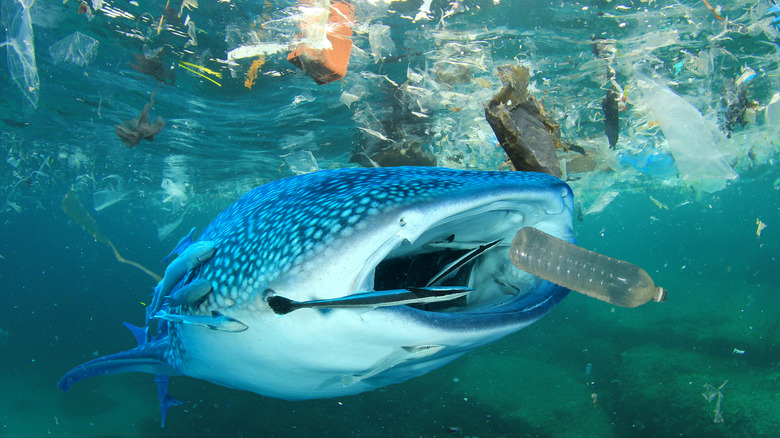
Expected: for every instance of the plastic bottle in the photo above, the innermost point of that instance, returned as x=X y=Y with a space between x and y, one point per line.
x=583 y=271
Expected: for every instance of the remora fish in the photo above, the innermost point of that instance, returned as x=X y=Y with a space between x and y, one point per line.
x=193 y=256
x=216 y=321
x=412 y=295
x=330 y=234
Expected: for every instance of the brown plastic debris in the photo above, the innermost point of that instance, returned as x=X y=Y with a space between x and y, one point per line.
x=611 y=117
x=329 y=65
x=453 y=73
x=152 y=66
x=131 y=132
x=521 y=124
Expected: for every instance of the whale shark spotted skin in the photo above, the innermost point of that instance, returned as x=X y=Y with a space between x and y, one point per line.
x=331 y=234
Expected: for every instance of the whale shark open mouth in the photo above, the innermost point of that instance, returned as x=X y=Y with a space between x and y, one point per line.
x=465 y=250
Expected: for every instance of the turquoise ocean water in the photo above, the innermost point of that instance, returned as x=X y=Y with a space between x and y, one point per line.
x=702 y=216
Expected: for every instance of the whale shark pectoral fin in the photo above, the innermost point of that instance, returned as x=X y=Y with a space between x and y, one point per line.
x=147 y=358
x=166 y=401
x=161 y=380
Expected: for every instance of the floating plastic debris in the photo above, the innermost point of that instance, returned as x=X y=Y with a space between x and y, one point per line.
x=131 y=132
x=75 y=209
x=191 y=32
x=760 y=228
x=151 y=64
x=602 y=202
x=174 y=191
x=106 y=198
x=202 y=71
x=772 y=111
x=165 y=230
x=521 y=124
x=583 y=271
x=710 y=392
x=382 y=45
x=301 y=162
x=424 y=13
x=352 y=95
x=189 y=5
x=376 y=134
x=75 y=48
x=658 y=203
x=324 y=51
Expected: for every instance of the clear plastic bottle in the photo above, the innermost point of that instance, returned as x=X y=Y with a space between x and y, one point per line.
x=581 y=270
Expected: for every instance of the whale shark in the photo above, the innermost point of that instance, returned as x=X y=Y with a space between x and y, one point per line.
x=390 y=272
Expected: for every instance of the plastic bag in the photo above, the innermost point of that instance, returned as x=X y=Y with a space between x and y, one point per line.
x=701 y=152
x=15 y=15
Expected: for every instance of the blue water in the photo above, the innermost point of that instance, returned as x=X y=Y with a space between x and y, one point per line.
x=586 y=370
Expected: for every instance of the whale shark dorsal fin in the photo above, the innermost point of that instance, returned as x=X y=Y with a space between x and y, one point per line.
x=138 y=332
x=185 y=242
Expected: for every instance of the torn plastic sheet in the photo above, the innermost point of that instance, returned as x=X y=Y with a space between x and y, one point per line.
x=111 y=193
x=175 y=192
x=165 y=230
x=602 y=202
x=301 y=162
x=175 y=180
x=352 y=95
x=106 y=198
